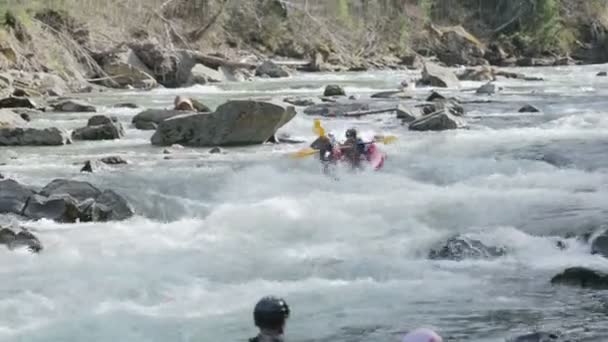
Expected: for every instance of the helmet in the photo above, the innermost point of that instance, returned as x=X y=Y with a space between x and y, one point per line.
x=422 y=335
x=351 y=133
x=270 y=313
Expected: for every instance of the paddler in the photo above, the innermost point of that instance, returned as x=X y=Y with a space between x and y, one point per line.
x=270 y=315
x=353 y=148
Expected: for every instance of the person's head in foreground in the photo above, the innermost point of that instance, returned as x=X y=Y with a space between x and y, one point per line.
x=270 y=315
x=422 y=335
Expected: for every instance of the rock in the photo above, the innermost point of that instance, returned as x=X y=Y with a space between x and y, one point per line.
x=599 y=245
x=126 y=105
x=582 y=277
x=201 y=74
x=412 y=61
x=563 y=61
x=478 y=74
x=87 y=167
x=336 y=109
x=76 y=189
x=113 y=160
x=17 y=102
x=170 y=68
x=535 y=62
x=9 y=118
x=451 y=105
x=26 y=113
x=529 y=109
x=435 y=76
x=126 y=69
x=215 y=150
x=235 y=74
x=435 y=96
x=486 y=89
x=408 y=114
x=150 y=118
x=270 y=69
x=334 y=90
x=19 y=136
x=394 y=94
x=537 y=337
x=495 y=55
x=1 y=176
x=110 y=206
x=300 y=102
x=22 y=239
x=200 y=107
x=459 y=248
x=532 y=78
x=60 y=208
x=437 y=121
x=602 y=74
x=71 y=106
x=100 y=127
x=459 y=47
x=13 y=197
x=233 y=123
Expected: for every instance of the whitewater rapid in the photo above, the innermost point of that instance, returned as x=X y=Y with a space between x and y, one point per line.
x=214 y=233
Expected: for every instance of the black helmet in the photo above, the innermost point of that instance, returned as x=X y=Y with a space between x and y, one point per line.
x=351 y=133
x=270 y=313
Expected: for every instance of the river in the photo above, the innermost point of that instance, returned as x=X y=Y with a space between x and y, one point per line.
x=213 y=233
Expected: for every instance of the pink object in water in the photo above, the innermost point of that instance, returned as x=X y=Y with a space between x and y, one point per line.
x=422 y=335
x=375 y=156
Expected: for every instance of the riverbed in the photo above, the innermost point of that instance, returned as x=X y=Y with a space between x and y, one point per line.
x=215 y=232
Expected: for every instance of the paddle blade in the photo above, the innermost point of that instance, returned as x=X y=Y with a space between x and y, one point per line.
x=303 y=153
x=386 y=139
x=317 y=129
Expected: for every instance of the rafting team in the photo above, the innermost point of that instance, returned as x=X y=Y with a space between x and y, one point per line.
x=270 y=315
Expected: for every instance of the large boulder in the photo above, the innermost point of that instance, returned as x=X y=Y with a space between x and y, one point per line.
x=17 y=102
x=22 y=239
x=150 y=118
x=13 y=197
x=126 y=69
x=438 y=121
x=334 y=90
x=201 y=74
x=170 y=68
x=233 y=123
x=436 y=76
x=110 y=206
x=60 y=208
x=22 y=136
x=582 y=277
x=71 y=106
x=460 y=248
x=76 y=189
x=271 y=69
x=100 y=127
x=456 y=46
x=9 y=118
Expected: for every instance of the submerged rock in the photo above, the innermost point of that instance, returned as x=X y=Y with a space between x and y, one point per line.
x=70 y=106
x=126 y=105
x=334 y=90
x=537 y=337
x=460 y=248
x=602 y=74
x=87 y=167
x=487 y=89
x=437 y=121
x=233 y=123
x=393 y=94
x=529 y=109
x=336 y=108
x=599 y=244
x=113 y=160
x=23 y=238
x=582 y=277
x=100 y=127
x=300 y=102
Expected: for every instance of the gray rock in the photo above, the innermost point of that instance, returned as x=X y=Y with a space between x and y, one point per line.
x=13 y=197
x=202 y=75
x=334 y=90
x=599 y=244
x=71 y=106
x=215 y=150
x=9 y=118
x=436 y=76
x=150 y=118
x=478 y=74
x=1 y=176
x=26 y=113
x=17 y=102
x=97 y=120
x=487 y=89
x=233 y=123
x=19 y=136
x=24 y=238
x=602 y=74
x=270 y=69
x=438 y=121
x=88 y=167
x=113 y=160
x=76 y=189
x=127 y=69
x=582 y=277
x=108 y=131
x=459 y=248
x=336 y=108
x=126 y=105
x=59 y=208
x=170 y=68
x=394 y=94
x=537 y=337
x=300 y=102
x=408 y=113
x=110 y=206
x=529 y=109
x=435 y=96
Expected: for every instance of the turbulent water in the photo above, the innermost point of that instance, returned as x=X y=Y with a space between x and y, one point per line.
x=214 y=233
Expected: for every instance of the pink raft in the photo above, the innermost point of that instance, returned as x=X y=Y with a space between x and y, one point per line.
x=373 y=155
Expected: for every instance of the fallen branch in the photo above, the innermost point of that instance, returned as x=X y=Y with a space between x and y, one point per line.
x=359 y=113
x=215 y=62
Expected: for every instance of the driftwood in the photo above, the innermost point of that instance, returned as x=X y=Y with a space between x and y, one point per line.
x=215 y=62
x=360 y=113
